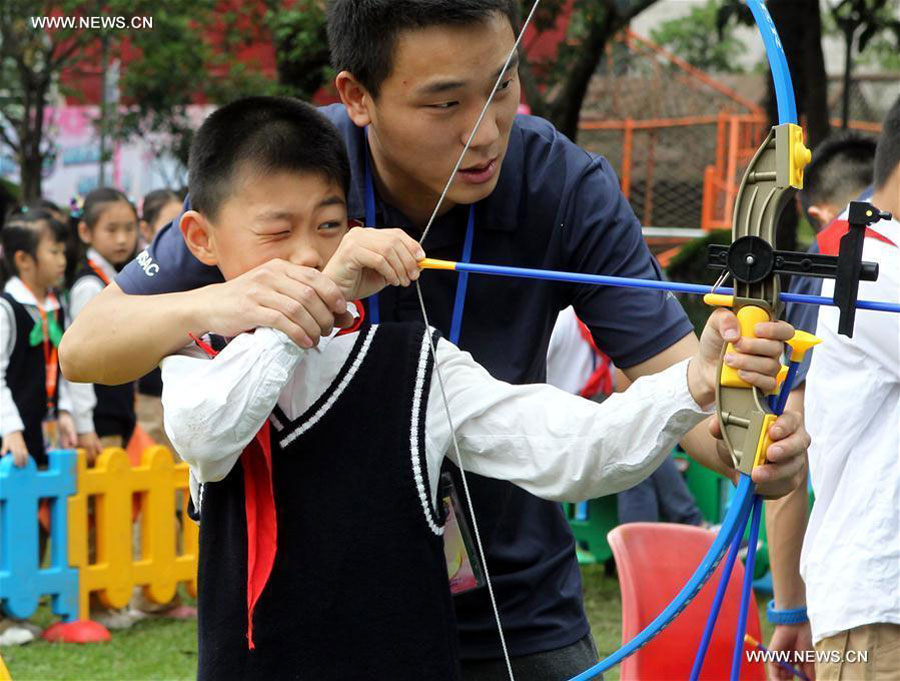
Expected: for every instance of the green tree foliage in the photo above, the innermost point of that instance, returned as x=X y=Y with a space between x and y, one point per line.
x=31 y=58
x=862 y=23
x=180 y=64
x=301 y=46
x=696 y=39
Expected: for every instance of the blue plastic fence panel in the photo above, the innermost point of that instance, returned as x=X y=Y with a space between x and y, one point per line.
x=22 y=581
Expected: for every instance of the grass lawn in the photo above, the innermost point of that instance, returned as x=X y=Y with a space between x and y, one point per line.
x=167 y=649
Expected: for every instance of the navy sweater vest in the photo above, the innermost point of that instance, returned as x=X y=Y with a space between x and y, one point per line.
x=26 y=377
x=359 y=585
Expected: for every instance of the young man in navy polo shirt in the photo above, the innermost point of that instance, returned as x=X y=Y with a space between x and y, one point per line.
x=413 y=77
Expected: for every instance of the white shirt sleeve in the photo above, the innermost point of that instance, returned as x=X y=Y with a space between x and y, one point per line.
x=82 y=395
x=10 y=419
x=64 y=395
x=556 y=445
x=214 y=407
x=83 y=291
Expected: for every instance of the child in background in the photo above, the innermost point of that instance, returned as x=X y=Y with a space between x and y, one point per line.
x=31 y=324
x=160 y=207
x=108 y=227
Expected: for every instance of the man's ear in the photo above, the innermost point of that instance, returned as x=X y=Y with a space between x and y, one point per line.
x=355 y=97
x=197 y=233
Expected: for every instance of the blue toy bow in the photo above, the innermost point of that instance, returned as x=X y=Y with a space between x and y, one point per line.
x=745 y=501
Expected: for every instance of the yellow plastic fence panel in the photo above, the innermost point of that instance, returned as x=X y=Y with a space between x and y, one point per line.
x=114 y=573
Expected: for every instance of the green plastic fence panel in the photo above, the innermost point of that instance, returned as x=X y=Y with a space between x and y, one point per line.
x=590 y=531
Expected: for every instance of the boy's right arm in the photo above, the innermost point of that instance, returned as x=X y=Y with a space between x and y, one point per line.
x=212 y=408
x=119 y=337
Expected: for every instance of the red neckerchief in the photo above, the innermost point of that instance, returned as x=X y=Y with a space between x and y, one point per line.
x=829 y=239
x=259 y=502
x=99 y=272
x=600 y=381
x=51 y=365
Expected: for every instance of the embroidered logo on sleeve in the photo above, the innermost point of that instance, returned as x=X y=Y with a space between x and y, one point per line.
x=146 y=262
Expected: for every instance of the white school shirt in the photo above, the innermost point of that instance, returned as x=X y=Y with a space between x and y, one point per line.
x=570 y=358
x=851 y=552
x=10 y=419
x=552 y=444
x=84 y=399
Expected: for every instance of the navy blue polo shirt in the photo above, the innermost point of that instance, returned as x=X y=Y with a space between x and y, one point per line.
x=555 y=207
x=804 y=317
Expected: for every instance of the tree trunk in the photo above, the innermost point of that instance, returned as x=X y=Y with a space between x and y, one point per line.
x=31 y=158
x=815 y=80
x=566 y=110
x=610 y=16
x=800 y=27
x=848 y=74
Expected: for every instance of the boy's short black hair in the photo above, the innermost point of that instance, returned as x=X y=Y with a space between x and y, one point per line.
x=362 y=33
x=841 y=168
x=268 y=133
x=887 y=158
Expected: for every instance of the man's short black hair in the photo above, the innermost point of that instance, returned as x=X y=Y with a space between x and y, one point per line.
x=841 y=168
x=266 y=133
x=362 y=33
x=887 y=158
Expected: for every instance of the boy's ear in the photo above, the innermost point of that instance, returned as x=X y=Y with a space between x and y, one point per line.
x=197 y=233
x=355 y=97
x=84 y=232
x=822 y=215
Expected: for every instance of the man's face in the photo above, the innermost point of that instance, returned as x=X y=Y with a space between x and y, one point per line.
x=428 y=105
x=293 y=216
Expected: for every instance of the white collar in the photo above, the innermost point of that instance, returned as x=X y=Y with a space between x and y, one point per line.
x=102 y=263
x=889 y=229
x=16 y=288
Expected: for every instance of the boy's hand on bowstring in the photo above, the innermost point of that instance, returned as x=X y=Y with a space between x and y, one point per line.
x=757 y=360
x=300 y=301
x=14 y=443
x=367 y=260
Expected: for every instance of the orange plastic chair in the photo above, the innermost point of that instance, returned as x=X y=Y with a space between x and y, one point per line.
x=654 y=560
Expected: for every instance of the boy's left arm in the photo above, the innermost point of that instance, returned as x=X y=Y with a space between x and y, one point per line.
x=553 y=444
x=560 y=446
